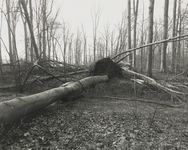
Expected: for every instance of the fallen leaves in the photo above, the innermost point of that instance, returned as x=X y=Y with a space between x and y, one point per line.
x=105 y=124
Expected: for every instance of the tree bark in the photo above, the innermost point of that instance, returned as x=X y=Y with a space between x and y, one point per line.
x=26 y=42
x=179 y=26
x=129 y=29
x=142 y=42
x=9 y=29
x=179 y=95
x=18 y=108
x=30 y=28
x=44 y=29
x=154 y=43
x=31 y=18
x=95 y=20
x=135 y=25
x=1 y=24
x=1 y=60
x=165 y=32
x=150 y=39
x=173 y=34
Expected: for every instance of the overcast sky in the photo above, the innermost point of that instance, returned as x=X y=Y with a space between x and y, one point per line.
x=77 y=12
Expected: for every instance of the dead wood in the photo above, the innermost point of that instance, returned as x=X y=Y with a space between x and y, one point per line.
x=20 y=107
x=174 y=93
x=158 y=42
x=182 y=73
x=144 y=100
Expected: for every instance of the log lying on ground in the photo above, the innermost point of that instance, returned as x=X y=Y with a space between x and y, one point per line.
x=179 y=95
x=20 y=107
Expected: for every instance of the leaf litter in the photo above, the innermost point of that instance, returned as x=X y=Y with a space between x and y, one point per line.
x=95 y=122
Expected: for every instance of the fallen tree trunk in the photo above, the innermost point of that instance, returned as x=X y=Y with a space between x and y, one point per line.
x=20 y=107
x=158 y=42
x=179 y=95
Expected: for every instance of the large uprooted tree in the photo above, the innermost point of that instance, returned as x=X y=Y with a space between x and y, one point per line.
x=102 y=71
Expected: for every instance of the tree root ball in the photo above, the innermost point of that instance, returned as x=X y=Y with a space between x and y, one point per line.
x=106 y=66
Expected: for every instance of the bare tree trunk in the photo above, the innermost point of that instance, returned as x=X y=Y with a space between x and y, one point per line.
x=112 y=43
x=129 y=29
x=150 y=44
x=9 y=29
x=25 y=41
x=18 y=108
x=85 y=50
x=85 y=45
x=30 y=27
x=150 y=39
x=1 y=61
x=95 y=19
x=54 y=49
x=183 y=51
x=106 y=38
x=142 y=42
x=173 y=34
x=13 y=31
x=49 y=42
x=178 y=65
x=186 y=53
x=31 y=18
x=70 y=51
x=44 y=29
x=165 y=33
x=135 y=8
x=66 y=32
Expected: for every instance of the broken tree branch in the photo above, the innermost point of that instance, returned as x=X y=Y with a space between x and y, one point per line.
x=179 y=95
x=144 y=100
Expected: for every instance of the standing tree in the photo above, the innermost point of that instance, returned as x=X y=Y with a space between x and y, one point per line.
x=179 y=28
x=66 y=35
x=85 y=45
x=121 y=40
x=112 y=43
x=150 y=39
x=1 y=61
x=129 y=28
x=142 y=41
x=77 y=50
x=9 y=29
x=165 y=33
x=44 y=28
x=38 y=18
x=30 y=27
x=106 y=38
x=52 y=26
x=95 y=19
x=173 y=34
x=135 y=9
x=14 y=19
x=31 y=18
x=25 y=34
x=70 y=49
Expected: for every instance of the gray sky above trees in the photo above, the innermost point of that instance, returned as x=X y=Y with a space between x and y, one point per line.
x=78 y=12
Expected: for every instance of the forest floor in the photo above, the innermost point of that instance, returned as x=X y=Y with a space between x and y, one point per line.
x=109 y=116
